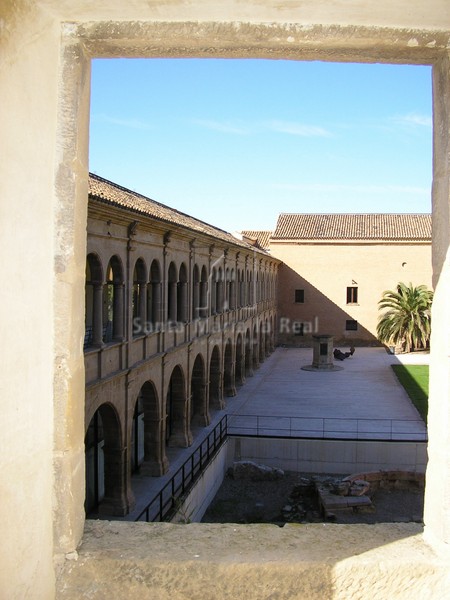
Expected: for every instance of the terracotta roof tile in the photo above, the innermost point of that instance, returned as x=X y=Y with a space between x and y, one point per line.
x=261 y=238
x=110 y=193
x=353 y=227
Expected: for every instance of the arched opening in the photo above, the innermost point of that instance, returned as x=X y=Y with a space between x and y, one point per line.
x=220 y=291
x=196 y=292
x=267 y=335
x=204 y=308
x=251 y=289
x=232 y=290
x=228 y=370
x=113 y=302
x=255 y=348
x=241 y=292
x=248 y=354
x=199 y=401
x=227 y=290
x=182 y=295
x=139 y=298
x=262 y=342
x=239 y=364
x=93 y=302
x=105 y=465
x=213 y=291
x=172 y=280
x=146 y=433
x=177 y=433
x=154 y=296
x=215 y=380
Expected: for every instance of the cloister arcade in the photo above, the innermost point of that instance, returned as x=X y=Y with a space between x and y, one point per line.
x=175 y=322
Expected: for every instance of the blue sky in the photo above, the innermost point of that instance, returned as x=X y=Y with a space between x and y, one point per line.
x=236 y=142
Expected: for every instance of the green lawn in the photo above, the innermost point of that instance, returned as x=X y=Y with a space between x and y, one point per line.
x=414 y=378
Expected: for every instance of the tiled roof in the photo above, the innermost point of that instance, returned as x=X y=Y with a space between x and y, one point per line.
x=261 y=238
x=110 y=193
x=353 y=227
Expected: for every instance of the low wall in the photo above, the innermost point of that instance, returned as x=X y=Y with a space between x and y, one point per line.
x=200 y=497
x=318 y=561
x=331 y=456
x=301 y=456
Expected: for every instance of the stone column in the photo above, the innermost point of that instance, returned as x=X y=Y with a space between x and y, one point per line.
x=323 y=351
x=118 y=500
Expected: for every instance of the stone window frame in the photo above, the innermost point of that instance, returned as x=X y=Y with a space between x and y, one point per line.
x=84 y=41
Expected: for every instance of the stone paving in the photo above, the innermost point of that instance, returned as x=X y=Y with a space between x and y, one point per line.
x=364 y=398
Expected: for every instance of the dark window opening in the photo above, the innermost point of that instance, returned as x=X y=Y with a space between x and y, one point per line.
x=351 y=325
x=300 y=296
x=298 y=328
x=352 y=295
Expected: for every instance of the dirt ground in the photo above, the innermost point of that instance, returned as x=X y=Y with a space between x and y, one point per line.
x=246 y=501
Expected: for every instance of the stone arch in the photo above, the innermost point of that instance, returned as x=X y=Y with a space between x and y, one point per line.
x=113 y=301
x=177 y=431
x=196 y=292
x=248 y=351
x=147 y=449
x=154 y=296
x=255 y=348
x=139 y=297
x=93 y=301
x=172 y=295
x=106 y=482
x=213 y=291
x=220 y=291
x=262 y=342
x=215 y=380
x=267 y=335
x=199 y=398
x=204 y=304
x=251 y=289
x=182 y=295
x=239 y=368
x=229 y=386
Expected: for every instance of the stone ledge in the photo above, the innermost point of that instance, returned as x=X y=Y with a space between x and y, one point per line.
x=162 y=561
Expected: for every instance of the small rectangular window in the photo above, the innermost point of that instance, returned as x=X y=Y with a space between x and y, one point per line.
x=351 y=325
x=300 y=296
x=352 y=295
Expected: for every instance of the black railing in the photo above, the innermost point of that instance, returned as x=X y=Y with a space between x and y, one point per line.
x=330 y=428
x=166 y=503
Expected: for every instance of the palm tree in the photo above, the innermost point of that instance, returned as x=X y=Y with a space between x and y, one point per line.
x=408 y=318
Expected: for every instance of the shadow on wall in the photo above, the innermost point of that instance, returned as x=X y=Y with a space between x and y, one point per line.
x=304 y=311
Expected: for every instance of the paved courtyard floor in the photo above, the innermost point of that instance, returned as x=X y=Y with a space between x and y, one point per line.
x=364 y=400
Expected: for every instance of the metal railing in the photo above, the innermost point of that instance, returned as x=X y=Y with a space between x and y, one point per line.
x=167 y=501
x=327 y=428
x=165 y=504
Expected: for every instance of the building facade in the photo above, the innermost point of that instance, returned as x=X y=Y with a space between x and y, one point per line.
x=178 y=314
x=335 y=268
